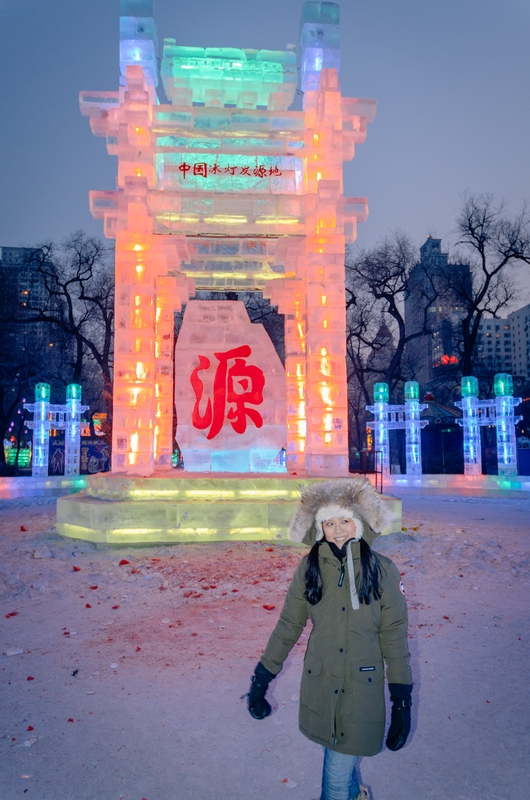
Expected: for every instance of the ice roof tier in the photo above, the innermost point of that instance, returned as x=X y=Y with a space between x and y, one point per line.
x=227 y=77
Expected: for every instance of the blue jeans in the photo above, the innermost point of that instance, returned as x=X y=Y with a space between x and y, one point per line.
x=339 y=776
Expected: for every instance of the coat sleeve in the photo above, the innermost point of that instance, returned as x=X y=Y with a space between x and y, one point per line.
x=293 y=618
x=393 y=630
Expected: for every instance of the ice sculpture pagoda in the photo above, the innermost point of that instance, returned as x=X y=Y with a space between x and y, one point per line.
x=221 y=187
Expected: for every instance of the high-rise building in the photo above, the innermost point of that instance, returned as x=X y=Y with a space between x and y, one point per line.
x=494 y=346
x=433 y=309
x=22 y=340
x=519 y=322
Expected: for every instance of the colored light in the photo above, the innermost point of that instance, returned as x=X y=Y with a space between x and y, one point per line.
x=381 y=393
x=502 y=384
x=469 y=386
x=42 y=392
x=412 y=390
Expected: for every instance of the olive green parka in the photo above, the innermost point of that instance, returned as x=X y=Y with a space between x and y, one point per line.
x=342 y=691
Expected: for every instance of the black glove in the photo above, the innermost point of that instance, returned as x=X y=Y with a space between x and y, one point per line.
x=400 y=694
x=257 y=705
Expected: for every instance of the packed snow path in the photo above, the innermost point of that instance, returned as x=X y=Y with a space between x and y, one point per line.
x=125 y=680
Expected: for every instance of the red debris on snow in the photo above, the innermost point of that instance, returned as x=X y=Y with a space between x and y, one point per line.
x=188 y=594
x=88 y=605
x=268 y=607
x=444 y=617
x=76 y=569
x=270 y=550
x=23 y=528
x=70 y=719
x=213 y=586
x=30 y=678
x=92 y=587
x=115 y=606
x=235 y=590
x=138 y=649
x=30 y=728
x=123 y=562
x=12 y=614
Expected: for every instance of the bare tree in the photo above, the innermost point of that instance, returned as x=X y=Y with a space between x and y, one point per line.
x=384 y=273
x=493 y=244
x=78 y=300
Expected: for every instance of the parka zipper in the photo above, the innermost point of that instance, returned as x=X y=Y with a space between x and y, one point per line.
x=341 y=576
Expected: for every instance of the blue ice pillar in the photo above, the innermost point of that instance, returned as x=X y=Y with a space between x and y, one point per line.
x=41 y=429
x=72 y=429
x=471 y=423
x=413 y=426
x=138 y=38
x=505 y=424
x=380 y=424
x=319 y=42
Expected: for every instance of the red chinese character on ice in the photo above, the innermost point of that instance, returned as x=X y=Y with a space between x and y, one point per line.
x=274 y=171
x=251 y=245
x=201 y=169
x=260 y=172
x=184 y=168
x=231 y=170
x=234 y=386
x=245 y=171
x=215 y=169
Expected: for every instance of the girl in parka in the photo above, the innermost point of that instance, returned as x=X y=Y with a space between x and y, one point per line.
x=356 y=603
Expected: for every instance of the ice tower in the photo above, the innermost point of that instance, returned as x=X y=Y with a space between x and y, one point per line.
x=225 y=188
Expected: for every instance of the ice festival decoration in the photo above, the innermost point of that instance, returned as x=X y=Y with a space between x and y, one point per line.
x=498 y=412
x=47 y=416
x=393 y=417
x=224 y=187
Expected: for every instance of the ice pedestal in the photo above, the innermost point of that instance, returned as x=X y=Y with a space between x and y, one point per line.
x=128 y=510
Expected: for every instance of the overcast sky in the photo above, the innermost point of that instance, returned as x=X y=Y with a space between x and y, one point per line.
x=451 y=79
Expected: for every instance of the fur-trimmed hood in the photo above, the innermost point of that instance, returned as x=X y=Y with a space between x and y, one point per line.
x=355 y=493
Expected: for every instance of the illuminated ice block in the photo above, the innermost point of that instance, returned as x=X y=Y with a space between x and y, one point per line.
x=41 y=429
x=138 y=38
x=319 y=42
x=413 y=426
x=72 y=429
x=229 y=391
x=470 y=421
x=505 y=424
x=380 y=424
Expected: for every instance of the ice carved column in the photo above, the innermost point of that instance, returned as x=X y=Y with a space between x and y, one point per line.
x=505 y=424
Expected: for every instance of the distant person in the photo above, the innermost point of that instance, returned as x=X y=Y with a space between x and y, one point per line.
x=356 y=603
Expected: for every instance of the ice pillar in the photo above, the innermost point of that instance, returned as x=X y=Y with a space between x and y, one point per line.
x=319 y=42
x=470 y=414
x=380 y=424
x=138 y=38
x=41 y=429
x=413 y=426
x=505 y=424
x=72 y=431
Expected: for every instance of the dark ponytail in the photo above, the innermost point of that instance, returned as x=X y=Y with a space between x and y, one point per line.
x=313 y=578
x=371 y=574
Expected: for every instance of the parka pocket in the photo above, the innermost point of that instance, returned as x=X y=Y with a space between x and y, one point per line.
x=367 y=690
x=368 y=672
x=312 y=665
x=312 y=687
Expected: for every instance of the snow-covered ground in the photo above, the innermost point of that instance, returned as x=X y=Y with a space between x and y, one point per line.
x=129 y=679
